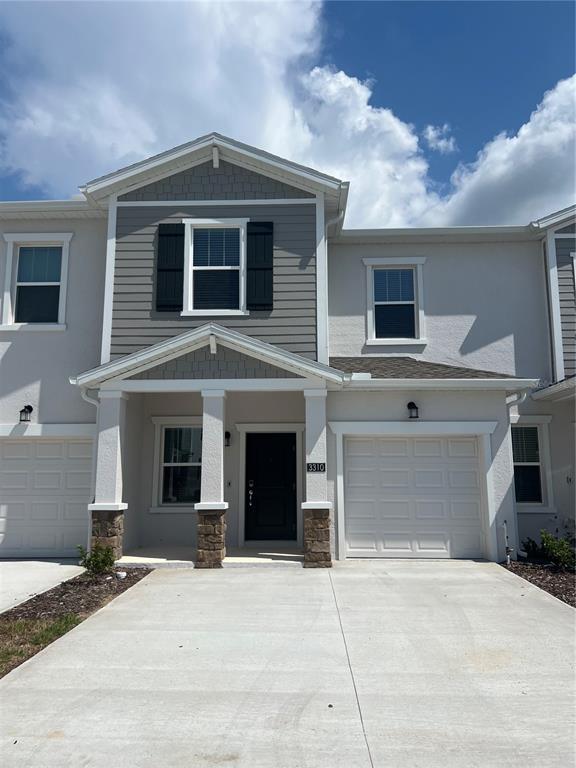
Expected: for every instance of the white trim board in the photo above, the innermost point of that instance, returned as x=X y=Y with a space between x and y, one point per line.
x=19 y=430
x=109 y=280
x=244 y=429
x=215 y=203
x=554 y=304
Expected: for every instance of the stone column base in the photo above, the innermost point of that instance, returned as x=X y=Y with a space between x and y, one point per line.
x=317 y=538
x=211 y=532
x=108 y=529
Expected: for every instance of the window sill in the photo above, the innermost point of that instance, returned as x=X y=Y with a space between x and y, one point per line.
x=535 y=508
x=214 y=313
x=172 y=509
x=396 y=342
x=34 y=327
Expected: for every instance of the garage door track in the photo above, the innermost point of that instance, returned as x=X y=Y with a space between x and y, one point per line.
x=371 y=664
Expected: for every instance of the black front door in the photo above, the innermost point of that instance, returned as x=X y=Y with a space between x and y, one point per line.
x=270 y=486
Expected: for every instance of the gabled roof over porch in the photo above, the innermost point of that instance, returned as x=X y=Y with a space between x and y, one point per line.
x=257 y=358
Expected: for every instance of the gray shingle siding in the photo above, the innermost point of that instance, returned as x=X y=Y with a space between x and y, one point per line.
x=228 y=182
x=225 y=364
x=564 y=248
x=291 y=324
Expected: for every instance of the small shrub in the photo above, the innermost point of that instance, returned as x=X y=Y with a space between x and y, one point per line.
x=559 y=551
x=99 y=560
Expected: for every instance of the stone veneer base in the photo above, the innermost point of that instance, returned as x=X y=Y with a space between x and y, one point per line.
x=211 y=549
x=317 y=538
x=108 y=530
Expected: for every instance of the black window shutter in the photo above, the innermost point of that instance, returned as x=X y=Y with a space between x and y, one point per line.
x=170 y=268
x=260 y=265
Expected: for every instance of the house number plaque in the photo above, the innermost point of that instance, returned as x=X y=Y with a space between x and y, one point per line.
x=316 y=467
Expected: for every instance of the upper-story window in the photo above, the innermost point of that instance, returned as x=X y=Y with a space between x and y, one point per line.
x=215 y=267
x=35 y=281
x=395 y=312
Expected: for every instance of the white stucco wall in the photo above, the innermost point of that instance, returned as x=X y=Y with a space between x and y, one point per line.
x=35 y=365
x=485 y=304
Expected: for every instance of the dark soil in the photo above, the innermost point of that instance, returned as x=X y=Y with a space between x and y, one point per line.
x=558 y=582
x=31 y=626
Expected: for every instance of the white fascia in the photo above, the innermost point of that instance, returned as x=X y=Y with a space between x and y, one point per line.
x=508 y=385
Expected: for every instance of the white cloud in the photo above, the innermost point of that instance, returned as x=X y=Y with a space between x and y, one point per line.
x=438 y=138
x=98 y=85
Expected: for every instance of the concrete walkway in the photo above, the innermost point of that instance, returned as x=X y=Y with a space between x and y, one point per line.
x=22 y=579
x=416 y=664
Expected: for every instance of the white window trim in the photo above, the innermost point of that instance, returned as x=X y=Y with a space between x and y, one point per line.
x=541 y=422
x=403 y=262
x=188 y=302
x=15 y=241
x=160 y=422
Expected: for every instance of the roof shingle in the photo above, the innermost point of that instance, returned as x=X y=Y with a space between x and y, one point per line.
x=409 y=368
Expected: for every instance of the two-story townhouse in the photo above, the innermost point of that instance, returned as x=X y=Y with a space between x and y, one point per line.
x=198 y=355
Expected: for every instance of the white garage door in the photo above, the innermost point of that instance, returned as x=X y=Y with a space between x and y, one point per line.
x=412 y=497
x=44 y=490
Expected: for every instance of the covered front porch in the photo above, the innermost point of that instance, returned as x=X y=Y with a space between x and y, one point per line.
x=189 y=469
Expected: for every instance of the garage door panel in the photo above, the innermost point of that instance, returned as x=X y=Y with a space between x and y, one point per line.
x=45 y=492
x=394 y=478
x=413 y=498
x=462 y=448
x=429 y=478
x=423 y=448
x=430 y=509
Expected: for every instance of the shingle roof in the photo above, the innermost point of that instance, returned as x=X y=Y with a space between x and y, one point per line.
x=408 y=368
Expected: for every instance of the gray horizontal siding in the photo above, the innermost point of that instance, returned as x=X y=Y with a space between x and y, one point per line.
x=292 y=322
x=564 y=248
x=204 y=182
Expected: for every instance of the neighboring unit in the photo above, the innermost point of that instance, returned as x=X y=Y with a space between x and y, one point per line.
x=212 y=360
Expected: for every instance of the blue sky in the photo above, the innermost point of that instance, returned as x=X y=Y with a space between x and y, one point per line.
x=480 y=66
x=437 y=112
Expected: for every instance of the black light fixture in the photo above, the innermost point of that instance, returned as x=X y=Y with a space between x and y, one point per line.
x=412 y=410
x=25 y=414
x=227 y=439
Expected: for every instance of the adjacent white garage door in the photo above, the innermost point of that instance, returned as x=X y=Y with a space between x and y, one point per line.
x=44 y=490
x=412 y=497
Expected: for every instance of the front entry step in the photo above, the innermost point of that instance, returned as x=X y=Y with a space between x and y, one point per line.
x=272 y=557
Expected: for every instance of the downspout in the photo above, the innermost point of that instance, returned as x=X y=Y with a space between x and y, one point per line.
x=515 y=400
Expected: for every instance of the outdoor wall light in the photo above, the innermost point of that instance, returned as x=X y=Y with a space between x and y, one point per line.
x=227 y=439
x=412 y=410
x=25 y=414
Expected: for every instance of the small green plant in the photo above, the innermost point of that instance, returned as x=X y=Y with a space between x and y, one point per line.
x=99 y=560
x=559 y=551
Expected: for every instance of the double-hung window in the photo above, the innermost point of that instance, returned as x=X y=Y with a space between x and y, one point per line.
x=395 y=310
x=179 y=456
x=35 y=281
x=214 y=266
x=527 y=464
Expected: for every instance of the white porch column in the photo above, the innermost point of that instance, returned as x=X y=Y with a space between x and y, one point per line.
x=107 y=510
x=316 y=508
x=212 y=479
x=316 y=483
x=111 y=425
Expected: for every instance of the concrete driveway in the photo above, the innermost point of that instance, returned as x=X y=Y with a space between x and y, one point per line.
x=22 y=579
x=373 y=664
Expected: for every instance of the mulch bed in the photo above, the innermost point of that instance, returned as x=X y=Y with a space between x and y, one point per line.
x=558 y=582
x=31 y=626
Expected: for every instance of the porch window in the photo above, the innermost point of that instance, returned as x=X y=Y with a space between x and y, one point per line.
x=181 y=465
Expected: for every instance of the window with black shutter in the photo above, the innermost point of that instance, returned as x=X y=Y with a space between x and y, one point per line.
x=170 y=268
x=260 y=266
